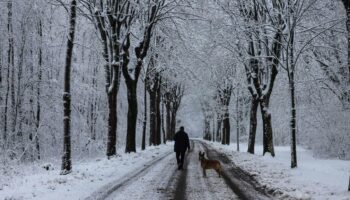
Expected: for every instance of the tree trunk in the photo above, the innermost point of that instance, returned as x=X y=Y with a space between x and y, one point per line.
x=173 y=123
x=291 y=70
x=253 y=124
x=38 y=106
x=158 y=101
x=213 y=133
x=218 y=128
x=1 y=89
x=168 y=121
x=162 y=122
x=293 y=123
x=19 y=112
x=10 y=65
x=153 y=118
x=144 y=125
x=112 y=124
x=238 y=116
x=132 y=116
x=1 y=46
x=11 y=59
x=226 y=128
x=92 y=116
x=206 y=127
x=66 y=158
x=267 y=127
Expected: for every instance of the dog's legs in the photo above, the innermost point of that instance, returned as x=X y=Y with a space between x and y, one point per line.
x=204 y=173
x=217 y=171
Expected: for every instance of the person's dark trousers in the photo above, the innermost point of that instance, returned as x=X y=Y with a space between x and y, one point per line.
x=180 y=157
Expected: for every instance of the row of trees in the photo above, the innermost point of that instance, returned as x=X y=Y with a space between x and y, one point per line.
x=121 y=36
x=115 y=22
x=263 y=38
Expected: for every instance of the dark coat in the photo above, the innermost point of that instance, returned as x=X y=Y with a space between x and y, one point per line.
x=182 y=143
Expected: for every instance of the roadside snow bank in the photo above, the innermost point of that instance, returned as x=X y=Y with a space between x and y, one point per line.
x=312 y=179
x=35 y=182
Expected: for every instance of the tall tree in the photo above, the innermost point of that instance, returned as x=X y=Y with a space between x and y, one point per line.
x=290 y=66
x=262 y=72
x=11 y=59
x=20 y=97
x=10 y=65
x=144 y=123
x=151 y=14
x=38 y=106
x=112 y=29
x=154 y=90
x=67 y=158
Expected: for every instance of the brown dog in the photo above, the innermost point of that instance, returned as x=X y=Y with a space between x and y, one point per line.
x=209 y=164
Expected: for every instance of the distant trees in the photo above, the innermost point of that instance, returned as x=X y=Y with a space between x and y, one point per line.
x=223 y=78
x=20 y=81
x=224 y=96
x=173 y=94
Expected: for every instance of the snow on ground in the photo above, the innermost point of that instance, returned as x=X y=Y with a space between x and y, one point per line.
x=312 y=179
x=34 y=182
x=151 y=184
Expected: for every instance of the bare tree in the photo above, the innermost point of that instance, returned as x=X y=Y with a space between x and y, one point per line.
x=144 y=123
x=290 y=66
x=67 y=158
x=262 y=69
x=112 y=30
x=152 y=16
x=10 y=65
x=153 y=88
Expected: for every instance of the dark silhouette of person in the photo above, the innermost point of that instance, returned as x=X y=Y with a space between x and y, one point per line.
x=182 y=143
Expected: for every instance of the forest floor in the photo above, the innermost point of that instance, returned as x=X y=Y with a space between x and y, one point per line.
x=152 y=174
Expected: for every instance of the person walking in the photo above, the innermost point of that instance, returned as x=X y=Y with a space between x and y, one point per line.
x=182 y=143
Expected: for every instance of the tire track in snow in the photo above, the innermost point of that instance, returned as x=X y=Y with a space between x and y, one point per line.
x=151 y=184
x=112 y=186
x=244 y=185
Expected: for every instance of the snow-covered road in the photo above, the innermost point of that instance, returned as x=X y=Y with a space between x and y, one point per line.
x=199 y=187
x=162 y=180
